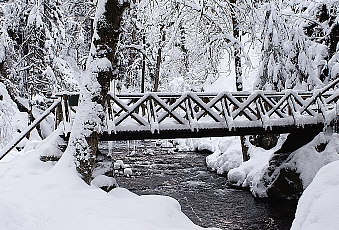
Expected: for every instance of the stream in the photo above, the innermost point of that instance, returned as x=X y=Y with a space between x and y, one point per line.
x=203 y=195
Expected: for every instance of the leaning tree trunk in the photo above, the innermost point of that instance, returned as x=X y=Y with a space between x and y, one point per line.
x=91 y=116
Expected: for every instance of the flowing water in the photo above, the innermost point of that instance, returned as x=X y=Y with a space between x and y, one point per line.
x=204 y=196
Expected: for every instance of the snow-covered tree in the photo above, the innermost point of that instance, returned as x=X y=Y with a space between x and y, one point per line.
x=35 y=38
x=90 y=119
x=180 y=39
x=6 y=117
x=78 y=29
x=299 y=39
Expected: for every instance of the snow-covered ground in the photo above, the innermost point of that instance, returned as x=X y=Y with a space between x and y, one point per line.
x=38 y=195
x=318 y=208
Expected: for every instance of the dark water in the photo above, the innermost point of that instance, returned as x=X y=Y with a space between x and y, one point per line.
x=204 y=196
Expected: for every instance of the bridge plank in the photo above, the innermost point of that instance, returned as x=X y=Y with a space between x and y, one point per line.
x=282 y=104
x=227 y=113
x=273 y=107
x=298 y=119
x=168 y=111
x=321 y=107
x=152 y=117
x=17 y=139
x=243 y=106
x=192 y=120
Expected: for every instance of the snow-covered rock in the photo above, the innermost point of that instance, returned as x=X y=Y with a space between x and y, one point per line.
x=128 y=172
x=203 y=146
x=101 y=181
x=290 y=172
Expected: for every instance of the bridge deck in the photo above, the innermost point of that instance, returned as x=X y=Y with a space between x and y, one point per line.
x=208 y=132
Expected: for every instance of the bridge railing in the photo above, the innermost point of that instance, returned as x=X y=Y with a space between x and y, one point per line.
x=19 y=137
x=194 y=111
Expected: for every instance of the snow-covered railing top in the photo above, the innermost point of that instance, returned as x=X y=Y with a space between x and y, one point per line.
x=189 y=114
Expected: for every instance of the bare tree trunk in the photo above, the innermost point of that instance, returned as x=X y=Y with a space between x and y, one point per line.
x=157 y=71
x=143 y=64
x=237 y=51
x=159 y=57
x=238 y=75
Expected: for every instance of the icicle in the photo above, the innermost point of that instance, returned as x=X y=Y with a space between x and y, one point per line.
x=110 y=148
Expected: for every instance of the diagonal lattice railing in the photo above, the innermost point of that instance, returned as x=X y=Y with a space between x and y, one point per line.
x=163 y=112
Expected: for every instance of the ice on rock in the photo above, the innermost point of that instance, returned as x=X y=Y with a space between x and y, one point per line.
x=118 y=164
x=102 y=180
x=128 y=172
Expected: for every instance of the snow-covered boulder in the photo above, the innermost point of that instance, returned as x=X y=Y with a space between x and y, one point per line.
x=104 y=182
x=203 y=146
x=128 y=172
x=290 y=172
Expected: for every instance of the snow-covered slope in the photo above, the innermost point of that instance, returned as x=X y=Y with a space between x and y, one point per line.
x=36 y=195
x=318 y=207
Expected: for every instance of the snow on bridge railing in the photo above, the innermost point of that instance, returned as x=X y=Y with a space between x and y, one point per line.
x=157 y=111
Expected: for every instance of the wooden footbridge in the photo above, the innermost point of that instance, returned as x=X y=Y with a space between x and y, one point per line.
x=184 y=115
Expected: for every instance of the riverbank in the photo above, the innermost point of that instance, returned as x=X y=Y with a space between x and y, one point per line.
x=204 y=196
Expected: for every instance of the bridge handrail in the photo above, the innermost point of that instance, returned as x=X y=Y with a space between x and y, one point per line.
x=257 y=105
x=15 y=141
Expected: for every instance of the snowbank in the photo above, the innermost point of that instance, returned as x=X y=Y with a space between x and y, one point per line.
x=318 y=207
x=40 y=195
x=306 y=161
x=249 y=173
x=227 y=155
x=227 y=159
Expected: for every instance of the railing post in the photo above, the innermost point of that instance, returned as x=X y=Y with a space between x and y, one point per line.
x=58 y=115
x=336 y=120
x=109 y=108
x=66 y=110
